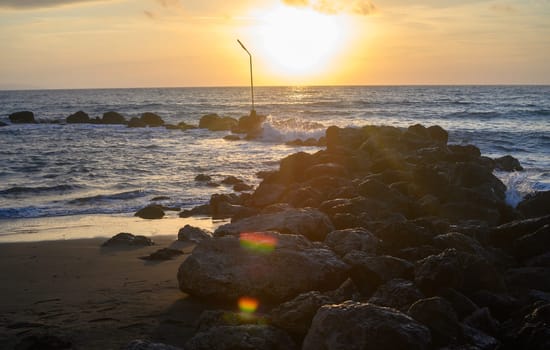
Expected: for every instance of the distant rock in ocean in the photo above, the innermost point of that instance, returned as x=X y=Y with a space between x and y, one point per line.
x=214 y=122
x=113 y=118
x=79 y=117
x=24 y=117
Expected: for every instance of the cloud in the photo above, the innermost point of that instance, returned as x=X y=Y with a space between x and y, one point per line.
x=31 y=4
x=359 y=7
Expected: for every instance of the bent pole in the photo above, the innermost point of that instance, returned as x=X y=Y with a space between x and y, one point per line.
x=251 y=79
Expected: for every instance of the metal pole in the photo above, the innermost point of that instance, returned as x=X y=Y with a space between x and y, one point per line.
x=251 y=78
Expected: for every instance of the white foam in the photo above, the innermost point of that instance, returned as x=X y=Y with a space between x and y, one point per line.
x=284 y=130
x=518 y=185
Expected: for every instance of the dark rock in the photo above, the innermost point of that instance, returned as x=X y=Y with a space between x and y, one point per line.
x=151 y=119
x=203 y=178
x=241 y=337
x=479 y=339
x=463 y=211
x=24 y=117
x=438 y=134
x=113 y=118
x=528 y=278
x=294 y=316
x=242 y=187
x=127 y=239
x=507 y=163
x=267 y=266
x=325 y=169
x=214 y=122
x=345 y=241
x=367 y=326
x=459 y=242
x=403 y=235
x=462 y=305
x=535 y=205
x=501 y=305
x=398 y=294
x=216 y=318
x=79 y=117
x=193 y=234
x=484 y=321
x=201 y=210
x=3 y=124
x=536 y=243
x=439 y=316
x=250 y=124
x=308 y=222
x=150 y=212
x=231 y=180
x=43 y=342
x=461 y=153
x=504 y=236
x=147 y=345
x=163 y=254
x=438 y=272
x=540 y=260
x=347 y=291
x=232 y=138
x=267 y=194
x=368 y=272
x=136 y=122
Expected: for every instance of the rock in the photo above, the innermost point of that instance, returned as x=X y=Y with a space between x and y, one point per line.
x=193 y=234
x=231 y=180
x=347 y=291
x=24 y=117
x=400 y=235
x=368 y=272
x=203 y=178
x=507 y=163
x=397 y=293
x=479 y=339
x=326 y=169
x=482 y=320
x=163 y=254
x=242 y=187
x=232 y=138
x=504 y=236
x=79 y=117
x=344 y=241
x=459 y=242
x=150 y=212
x=354 y=325
x=151 y=119
x=528 y=278
x=241 y=337
x=113 y=118
x=501 y=305
x=462 y=305
x=216 y=318
x=308 y=222
x=542 y=260
x=535 y=205
x=438 y=134
x=214 y=122
x=3 y=124
x=136 y=123
x=127 y=239
x=147 y=345
x=438 y=272
x=43 y=342
x=267 y=194
x=201 y=210
x=294 y=316
x=268 y=266
x=250 y=124
x=439 y=316
x=536 y=243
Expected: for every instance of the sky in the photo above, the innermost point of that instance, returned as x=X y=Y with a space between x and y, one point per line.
x=169 y=43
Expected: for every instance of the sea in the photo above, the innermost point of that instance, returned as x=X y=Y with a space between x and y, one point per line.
x=53 y=169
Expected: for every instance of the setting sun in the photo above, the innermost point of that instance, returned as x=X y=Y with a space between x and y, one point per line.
x=298 y=42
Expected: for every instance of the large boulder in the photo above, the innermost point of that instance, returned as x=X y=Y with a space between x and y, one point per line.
x=268 y=266
x=136 y=122
x=365 y=326
x=345 y=241
x=113 y=118
x=193 y=234
x=151 y=119
x=507 y=163
x=250 y=124
x=307 y=222
x=536 y=243
x=214 y=122
x=79 y=117
x=535 y=205
x=438 y=314
x=23 y=117
x=504 y=236
x=398 y=294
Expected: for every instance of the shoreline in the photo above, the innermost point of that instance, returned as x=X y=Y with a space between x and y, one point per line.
x=103 y=226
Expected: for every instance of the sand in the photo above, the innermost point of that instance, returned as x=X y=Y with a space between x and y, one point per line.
x=94 y=297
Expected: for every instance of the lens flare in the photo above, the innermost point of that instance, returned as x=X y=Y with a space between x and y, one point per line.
x=248 y=305
x=258 y=242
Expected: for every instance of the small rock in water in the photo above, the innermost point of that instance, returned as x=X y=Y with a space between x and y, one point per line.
x=127 y=239
x=151 y=212
x=203 y=177
x=24 y=117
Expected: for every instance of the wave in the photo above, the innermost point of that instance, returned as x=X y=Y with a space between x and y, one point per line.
x=285 y=130
x=121 y=196
x=22 y=190
x=475 y=115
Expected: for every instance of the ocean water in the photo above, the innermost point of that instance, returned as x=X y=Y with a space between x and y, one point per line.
x=53 y=170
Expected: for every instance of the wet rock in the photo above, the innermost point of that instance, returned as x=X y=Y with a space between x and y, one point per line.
x=308 y=222
x=504 y=236
x=345 y=241
x=163 y=254
x=203 y=178
x=214 y=122
x=438 y=272
x=79 y=117
x=136 y=122
x=24 y=117
x=365 y=326
x=397 y=293
x=231 y=180
x=294 y=316
x=535 y=205
x=147 y=345
x=536 y=243
x=439 y=316
x=151 y=119
x=113 y=118
x=260 y=337
x=150 y=212
x=507 y=163
x=242 y=187
x=251 y=125
x=193 y=234
x=127 y=239
x=268 y=266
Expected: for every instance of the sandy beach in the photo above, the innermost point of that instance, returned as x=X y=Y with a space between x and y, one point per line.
x=94 y=297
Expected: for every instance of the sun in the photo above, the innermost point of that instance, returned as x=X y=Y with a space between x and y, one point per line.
x=299 y=41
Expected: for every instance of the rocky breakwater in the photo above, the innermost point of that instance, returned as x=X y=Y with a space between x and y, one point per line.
x=388 y=238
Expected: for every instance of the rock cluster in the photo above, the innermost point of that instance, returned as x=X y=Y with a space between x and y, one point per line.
x=387 y=239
